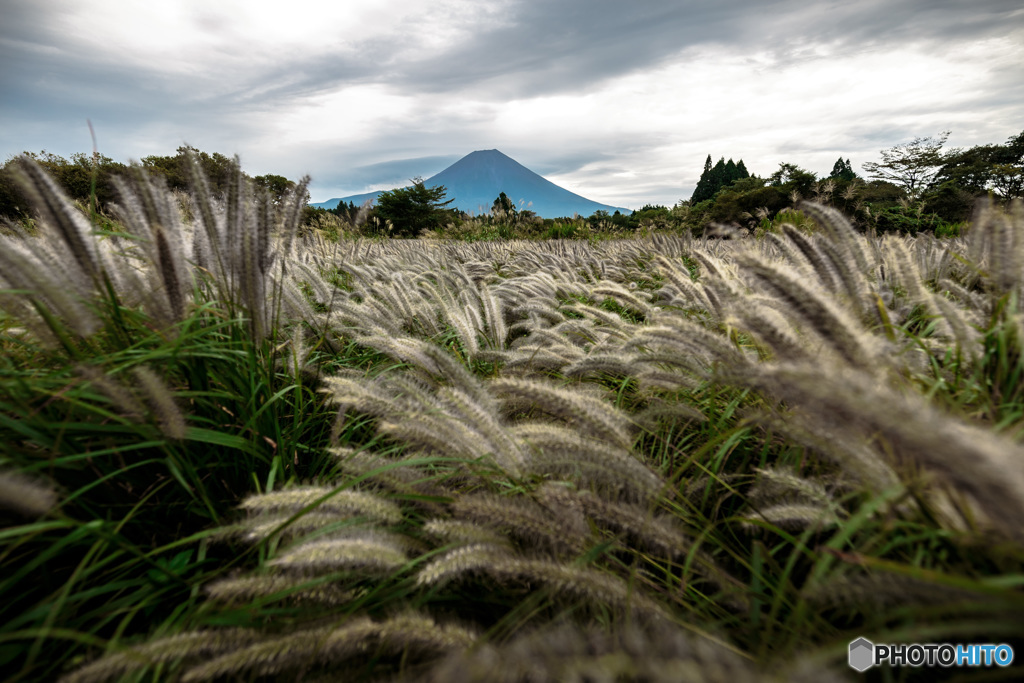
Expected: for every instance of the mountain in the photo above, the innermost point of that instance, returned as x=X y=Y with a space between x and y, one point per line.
x=476 y=180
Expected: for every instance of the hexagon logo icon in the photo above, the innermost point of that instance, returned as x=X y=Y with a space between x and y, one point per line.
x=862 y=654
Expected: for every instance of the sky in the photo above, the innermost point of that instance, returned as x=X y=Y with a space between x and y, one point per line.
x=618 y=101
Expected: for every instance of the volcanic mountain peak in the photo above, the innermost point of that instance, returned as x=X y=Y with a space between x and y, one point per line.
x=476 y=180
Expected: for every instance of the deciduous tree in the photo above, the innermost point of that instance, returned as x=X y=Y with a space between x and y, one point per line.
x=912 y=165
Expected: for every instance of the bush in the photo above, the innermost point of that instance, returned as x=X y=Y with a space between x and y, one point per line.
x=907 y=221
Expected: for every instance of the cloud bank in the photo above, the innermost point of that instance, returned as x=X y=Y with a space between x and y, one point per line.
x=620 y=102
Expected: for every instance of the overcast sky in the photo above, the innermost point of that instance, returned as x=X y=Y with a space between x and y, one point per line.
x=619 y=101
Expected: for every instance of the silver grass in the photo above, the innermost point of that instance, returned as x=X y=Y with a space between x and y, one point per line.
x=189 y=645
x=285 y=525
x=772 y=329
x=465 y=533
x=581 y=583
x=811 y=307
x=859 y=462
x=590 y=461
x=409 y=482
x=327 y=499
x=150 y=211
x=462 y=561
x=260 y=587
x=360 y=554
x=849 y=242
x=26 y=496
x=333 y=645
x=507 y=453
x=653 y=531
x=113 y=390
x=622 y=296
x=979 y=463
x=58 y=216
x=794 y=517
x=620 y=365
x=780 y=483
x=169 y=416
x=593 y=415
x=22 y=270
x=660 y=411
x=521 y=518
x=686 y=340
x=821 y=265
x=653 y=652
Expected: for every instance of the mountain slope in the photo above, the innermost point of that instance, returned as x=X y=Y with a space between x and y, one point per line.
x=475 y=180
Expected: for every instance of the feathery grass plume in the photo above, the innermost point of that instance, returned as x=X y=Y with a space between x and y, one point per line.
x=680 y=278
x=782 y=483
x=113 y=390
x=794 y=517
x=241 y=590
x=169 y=416
x=611 y=322
x=261 y=527
x=996 y=245
x=523 y=519
x=463 y=560
x=771 y=328
x=414 y=634
x=646 y=529
x=589 y=461
x=590 y=414
x=849 y=243
x=46 y=287
x=150 y=212
x=326 y=499
x=596 y=588
x=654 y=531
x=188 y=646
x=660 y=411
x=814 y=253
x=465 y=533
x=906 y=273
x=809 y=305
x=209 y=240
x=654 y=652
x=411 y=483
x=987 y=467
x=497 y=330
x=622 y=296
x=58 y=216
x=616 y=365
x=27 y=497
x=483 y=419
x=373 y=554
x=857 y=458
x=685 y=339
x=526 y=359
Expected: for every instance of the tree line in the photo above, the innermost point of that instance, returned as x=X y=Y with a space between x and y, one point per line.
x=90 y=178
x=916 y=186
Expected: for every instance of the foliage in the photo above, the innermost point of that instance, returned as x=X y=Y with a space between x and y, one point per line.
x=716 y=177
x=999 y=168
x=912 y=165
x=415 y=209
x=842 y=170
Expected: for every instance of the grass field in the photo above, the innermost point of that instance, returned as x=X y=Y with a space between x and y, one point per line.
x=235 y=450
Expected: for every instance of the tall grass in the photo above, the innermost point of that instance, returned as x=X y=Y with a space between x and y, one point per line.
x=234 y=450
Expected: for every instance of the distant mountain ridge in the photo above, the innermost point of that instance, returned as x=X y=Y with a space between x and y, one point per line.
x=476 y=180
